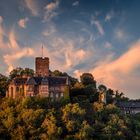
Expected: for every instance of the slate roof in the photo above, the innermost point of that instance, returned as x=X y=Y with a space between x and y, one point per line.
x=129 y=104
x=47 y=80
x=44 y=81
x=19 y=81
x=34 y=81
x=57 y=81
x=52 y=81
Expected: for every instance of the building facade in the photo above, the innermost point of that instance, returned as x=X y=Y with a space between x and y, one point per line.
x=129 y=107
x=41 y=84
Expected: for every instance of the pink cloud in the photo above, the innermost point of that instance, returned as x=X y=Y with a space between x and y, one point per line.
x=32 y=6
x=51 y=10
x=11 y=50
x=22 y=22
x=12 y=59
x=117 y=74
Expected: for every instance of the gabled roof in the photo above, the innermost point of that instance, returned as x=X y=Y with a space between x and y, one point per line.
x=57 y=81
x=34 y=81
x=47 y=80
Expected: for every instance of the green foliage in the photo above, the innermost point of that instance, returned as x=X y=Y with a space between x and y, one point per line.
x=20 y=72
x=87 y=79
x=3 y=85
x=50 y=129
x=86 y=132
x=38 y=118
x=70 y=114
x=120 y=96
x=66 y=93
x=81 y=118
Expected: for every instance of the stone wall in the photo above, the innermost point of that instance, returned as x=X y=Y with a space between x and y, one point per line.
x=42 y=66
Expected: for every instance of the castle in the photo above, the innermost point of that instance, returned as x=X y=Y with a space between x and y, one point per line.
x=41 y=84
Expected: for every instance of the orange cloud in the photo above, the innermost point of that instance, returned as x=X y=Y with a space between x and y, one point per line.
x=11 y=59
x=118 y=73
x=50 y=10
x=32 y=6
x=12 y=41
x=11 y=50
x=22 y=22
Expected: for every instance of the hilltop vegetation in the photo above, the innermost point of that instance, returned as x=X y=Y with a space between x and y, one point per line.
x=39 y=118
x=80 y=117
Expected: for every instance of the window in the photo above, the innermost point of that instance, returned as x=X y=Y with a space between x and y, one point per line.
x=57 y=95
x=11 y=91
x=17 y=89
x=62 y=94
x=56 y=88
x=30 y=88
x=51 y=94
x=44 y=88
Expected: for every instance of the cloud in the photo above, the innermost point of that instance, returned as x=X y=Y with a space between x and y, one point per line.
x=109 y=16
x=77 y=73
x=1 y=31
x=108 y=45
x=22 y=22
x=51 y=10
x=76 y=3
x=72 y=60
x=12 y=58
x=32 y=6
x=122 y=35
x=49 y=31
x=12 y=41
x=71 y=55
x=64 y=53
x=119 y=34
x=118 y=74
x=99 y=26
x=11 y=51
x=1 y=19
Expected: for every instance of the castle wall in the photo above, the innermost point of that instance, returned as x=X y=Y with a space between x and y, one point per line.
x=55 y=88
x=44 y=90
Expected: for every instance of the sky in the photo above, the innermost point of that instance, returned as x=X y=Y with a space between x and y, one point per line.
x=97 y=36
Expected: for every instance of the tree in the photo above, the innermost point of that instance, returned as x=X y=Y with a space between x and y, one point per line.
x=3 y=85
x=18 y=72
x=70 y=114
x=50 y=129
x=102 y=93
x=109 y=96
x=87 y=79
x=86 y=132
x=120 y=96
x=28 y=72
x=57 y=73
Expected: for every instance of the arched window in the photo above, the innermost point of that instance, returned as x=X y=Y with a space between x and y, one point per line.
x=17 y=89
x=12 y=92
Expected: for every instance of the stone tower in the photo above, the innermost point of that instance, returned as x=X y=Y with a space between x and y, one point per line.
x=42 y=66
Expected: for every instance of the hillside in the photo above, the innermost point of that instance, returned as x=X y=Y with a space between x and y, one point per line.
x=38 y=118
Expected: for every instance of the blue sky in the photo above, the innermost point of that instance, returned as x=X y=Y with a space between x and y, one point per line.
x=97 y=36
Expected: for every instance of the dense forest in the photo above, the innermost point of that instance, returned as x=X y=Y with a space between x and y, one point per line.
x=79 y=117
